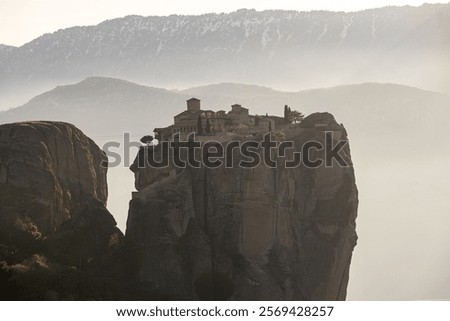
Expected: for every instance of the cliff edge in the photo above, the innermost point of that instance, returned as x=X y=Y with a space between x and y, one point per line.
x=237 y=233
x=57 y=239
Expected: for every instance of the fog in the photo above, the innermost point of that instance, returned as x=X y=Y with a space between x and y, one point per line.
x=403 y=251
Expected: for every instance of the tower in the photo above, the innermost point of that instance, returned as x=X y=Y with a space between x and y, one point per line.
x=193 y=104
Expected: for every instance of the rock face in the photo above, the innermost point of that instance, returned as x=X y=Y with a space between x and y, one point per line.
x=55 y=232
x=246 y=234
x=55 y=162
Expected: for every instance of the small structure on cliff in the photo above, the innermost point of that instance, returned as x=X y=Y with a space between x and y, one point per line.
x=209 y=122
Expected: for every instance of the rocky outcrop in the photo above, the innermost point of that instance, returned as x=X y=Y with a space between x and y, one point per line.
x=56 y=163
x=245 y=233
x=56 y=235
x=256 y=233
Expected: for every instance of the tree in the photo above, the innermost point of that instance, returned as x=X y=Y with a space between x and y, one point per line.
x=257 y=120
x=147 y=139
x=296 y=116
x=286 y=113
x=199 y=125
x=208 y=126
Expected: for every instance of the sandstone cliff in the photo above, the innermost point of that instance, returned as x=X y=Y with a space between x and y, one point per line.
x=55 y=232
x=245 y=234
x=196 y=233
x=55 y=162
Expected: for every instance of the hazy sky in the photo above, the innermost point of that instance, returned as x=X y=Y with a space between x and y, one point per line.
x=23 y=20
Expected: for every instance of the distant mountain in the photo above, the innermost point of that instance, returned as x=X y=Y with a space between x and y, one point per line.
x=105 y=108
x=284 y=49
x=102 y=107
x=6 y=49
x=390 y=115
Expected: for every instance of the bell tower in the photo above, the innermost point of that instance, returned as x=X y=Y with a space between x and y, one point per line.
x=193 y=104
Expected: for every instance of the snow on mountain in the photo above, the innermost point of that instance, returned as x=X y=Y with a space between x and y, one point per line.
x=276 y=48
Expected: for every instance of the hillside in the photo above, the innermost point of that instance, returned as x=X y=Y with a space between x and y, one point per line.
x=102 y=107
x=284 y=49
x=116 y=106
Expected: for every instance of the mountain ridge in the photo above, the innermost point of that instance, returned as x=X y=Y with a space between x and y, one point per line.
x=242 y=10
x=343 y=86
x=238 y=90
x=284 y=49
x=138 y=109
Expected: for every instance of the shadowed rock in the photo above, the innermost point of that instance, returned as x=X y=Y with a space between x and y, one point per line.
x=246 y=234
x=57 y=239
